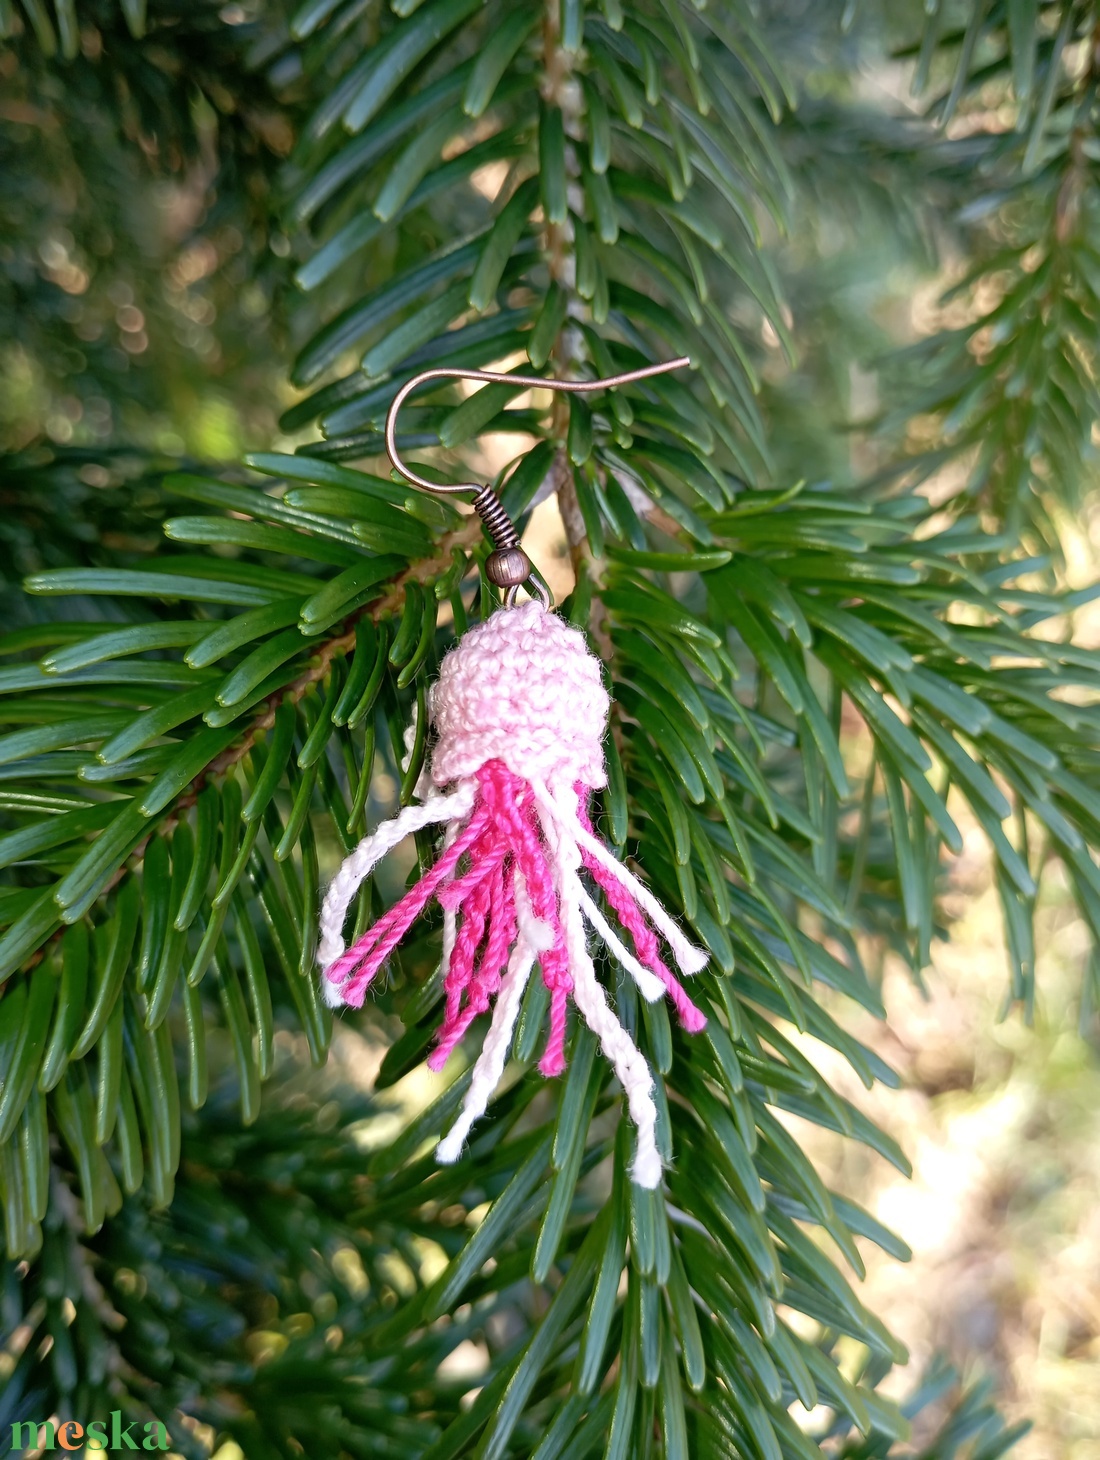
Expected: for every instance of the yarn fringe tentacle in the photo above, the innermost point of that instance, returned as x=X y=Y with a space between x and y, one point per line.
x=519 y=711
x=519 y=897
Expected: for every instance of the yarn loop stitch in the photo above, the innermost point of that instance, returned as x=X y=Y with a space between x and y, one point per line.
x=519 y=712
x=521 y=687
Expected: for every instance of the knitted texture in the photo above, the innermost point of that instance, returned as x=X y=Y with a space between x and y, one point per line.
x=522 y=688
x=519 y=712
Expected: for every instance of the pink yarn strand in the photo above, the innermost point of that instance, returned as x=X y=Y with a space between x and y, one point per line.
x=529 y=851
x=553 y=1059
x=633 y=920
x=519 y=711
x=476 y=907
x=481 y=985
x=363 y=960
x=501 y=934
x=456 y=1020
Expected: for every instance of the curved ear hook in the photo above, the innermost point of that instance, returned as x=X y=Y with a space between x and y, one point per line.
x=508 y=566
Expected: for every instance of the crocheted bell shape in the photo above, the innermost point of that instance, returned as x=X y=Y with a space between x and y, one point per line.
x=519 y=713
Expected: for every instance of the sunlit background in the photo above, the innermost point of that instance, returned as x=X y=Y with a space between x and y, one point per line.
x=1001 y=1122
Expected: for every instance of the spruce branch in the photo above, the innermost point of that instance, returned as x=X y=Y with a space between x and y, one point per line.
x=248 y=679
x=423 y=572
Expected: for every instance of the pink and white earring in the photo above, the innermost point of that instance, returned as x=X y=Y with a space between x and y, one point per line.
x=519 y=713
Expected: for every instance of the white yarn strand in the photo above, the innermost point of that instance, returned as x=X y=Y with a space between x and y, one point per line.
x=494 y=1053
x=370 y=852
x=523 y=688
x=450 y=914
x=533 y=936
x=626 y=1058
x=535 y=933
x=649 y=985
x=689 y=958
x=423 y=788
x=332 y=993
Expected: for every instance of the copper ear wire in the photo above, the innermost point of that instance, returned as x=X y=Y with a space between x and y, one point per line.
x=507 y=566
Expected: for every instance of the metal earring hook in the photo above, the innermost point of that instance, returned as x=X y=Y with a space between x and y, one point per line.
x=507 y=566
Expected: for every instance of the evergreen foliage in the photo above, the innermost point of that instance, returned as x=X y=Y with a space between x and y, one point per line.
x=206 y=687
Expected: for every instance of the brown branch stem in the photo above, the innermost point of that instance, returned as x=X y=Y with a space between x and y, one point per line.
x=422 y=572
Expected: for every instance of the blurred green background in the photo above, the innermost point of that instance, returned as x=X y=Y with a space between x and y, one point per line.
x=1001 y=1122
x=1002 y=1125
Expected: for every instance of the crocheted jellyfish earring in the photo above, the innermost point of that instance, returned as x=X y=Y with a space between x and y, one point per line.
x=519 y=713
